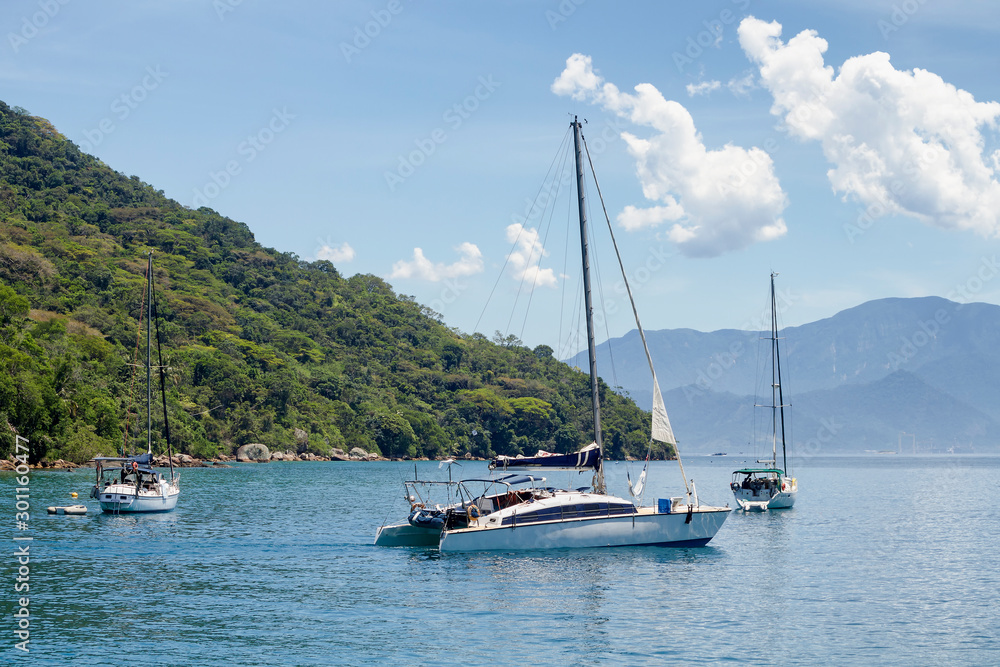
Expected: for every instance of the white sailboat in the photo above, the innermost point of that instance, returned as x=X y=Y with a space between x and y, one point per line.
x=769 y=487
x=547 y=518
x=128 y=484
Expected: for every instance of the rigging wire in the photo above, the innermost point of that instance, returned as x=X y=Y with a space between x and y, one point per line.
x=628 y=289
x=759 y=384
x=516 y=240
x=600 y=291
x=163 y=374
x=779 y=326
x=537 y=266
x=135 y=364
x=565 y=274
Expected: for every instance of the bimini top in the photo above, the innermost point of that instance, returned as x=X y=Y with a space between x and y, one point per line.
x=747 y=471
x=142 y=459
x=508 y=479
x=588 y=457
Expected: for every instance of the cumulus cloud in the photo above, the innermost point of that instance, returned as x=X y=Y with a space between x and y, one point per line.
x=525 y=257
x=714 y=200
x=899 y=141
x=470 y=262
x=703 y=88
x=342 y=253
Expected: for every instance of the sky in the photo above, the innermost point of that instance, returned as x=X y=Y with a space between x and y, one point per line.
x=850 y=146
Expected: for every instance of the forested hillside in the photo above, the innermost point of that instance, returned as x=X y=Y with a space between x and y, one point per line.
x=257 y=342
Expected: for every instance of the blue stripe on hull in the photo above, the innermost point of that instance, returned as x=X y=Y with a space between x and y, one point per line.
x=107 y=510
x=679 y=545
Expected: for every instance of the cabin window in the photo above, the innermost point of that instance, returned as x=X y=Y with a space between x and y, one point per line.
x=570 y=512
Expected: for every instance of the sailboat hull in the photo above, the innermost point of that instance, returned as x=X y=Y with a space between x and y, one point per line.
x=405 y=535
x=771 y=497
x=645 y=528
x=782 y=501
x=122 y=499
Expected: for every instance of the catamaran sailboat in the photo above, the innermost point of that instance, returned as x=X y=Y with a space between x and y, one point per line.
x=547 y=518
x=128 y=484
x=769 y=487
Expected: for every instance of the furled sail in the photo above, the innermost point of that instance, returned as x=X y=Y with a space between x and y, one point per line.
x=587 y=458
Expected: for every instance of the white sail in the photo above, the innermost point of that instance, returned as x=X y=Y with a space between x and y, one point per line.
x=636 y=490
x=662 y=431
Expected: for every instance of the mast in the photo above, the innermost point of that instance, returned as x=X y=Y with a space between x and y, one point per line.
x=776 y=373
x=149 y=361
x=163 y=384
x=589 y=307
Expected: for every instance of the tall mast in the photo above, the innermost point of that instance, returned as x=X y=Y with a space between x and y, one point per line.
x=777 y=372
x=149 y=361
x=588 y=305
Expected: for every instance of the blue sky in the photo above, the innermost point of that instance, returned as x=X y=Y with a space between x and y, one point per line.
x=850 y=146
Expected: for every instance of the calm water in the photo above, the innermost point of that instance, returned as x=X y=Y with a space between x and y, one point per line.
x=884 y=559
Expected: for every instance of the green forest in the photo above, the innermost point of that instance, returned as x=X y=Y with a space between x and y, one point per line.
x=256 y=343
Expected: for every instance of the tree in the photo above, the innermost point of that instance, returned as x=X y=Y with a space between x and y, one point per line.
x=543 y=352
x=13 y=310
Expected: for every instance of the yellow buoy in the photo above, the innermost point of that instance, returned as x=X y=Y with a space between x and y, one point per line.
x=73 y=494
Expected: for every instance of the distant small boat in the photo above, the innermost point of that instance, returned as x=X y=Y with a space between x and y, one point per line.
x=767 y=488
x=718 y=454
x=68 y=509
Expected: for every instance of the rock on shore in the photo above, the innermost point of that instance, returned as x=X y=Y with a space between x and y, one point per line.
x=253 y=452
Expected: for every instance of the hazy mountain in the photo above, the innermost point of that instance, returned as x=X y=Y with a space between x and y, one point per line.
x=859 y=378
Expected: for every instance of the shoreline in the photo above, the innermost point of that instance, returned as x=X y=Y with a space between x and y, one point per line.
x=222 y=461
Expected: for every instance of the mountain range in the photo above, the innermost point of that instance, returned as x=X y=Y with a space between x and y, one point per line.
x=916 y=373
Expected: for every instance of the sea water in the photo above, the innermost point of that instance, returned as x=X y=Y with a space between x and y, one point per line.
x=884 y=559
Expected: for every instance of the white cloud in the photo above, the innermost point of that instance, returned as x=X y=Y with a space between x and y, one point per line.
x=524 y=259
x=703 y=88
x=470 y=262
x=577 y=79
x=632 y=218
x=342 y=253
x=718 y=200
x=900 y=141
x=741 y=87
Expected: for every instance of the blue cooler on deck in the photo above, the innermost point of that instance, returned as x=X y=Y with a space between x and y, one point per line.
x=663 y=505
